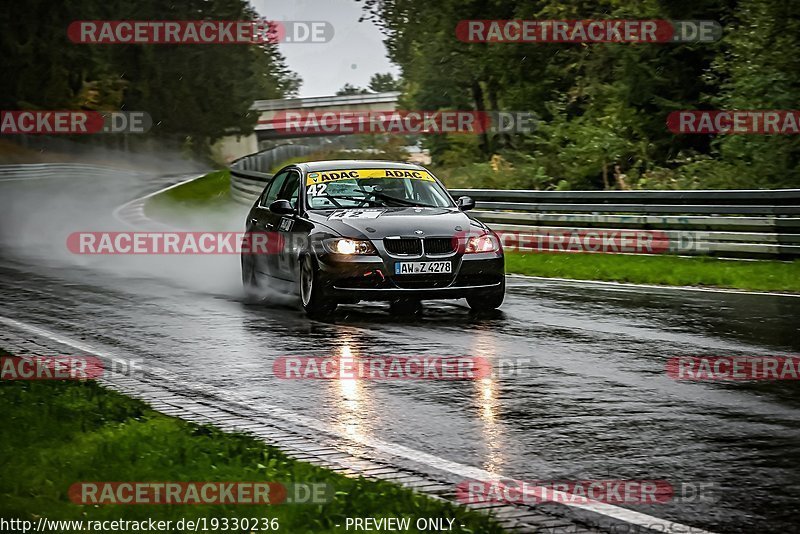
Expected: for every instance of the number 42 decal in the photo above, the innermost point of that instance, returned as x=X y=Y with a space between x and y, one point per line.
x=316 y=189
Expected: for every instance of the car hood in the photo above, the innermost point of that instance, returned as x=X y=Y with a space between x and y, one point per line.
x=377 y=223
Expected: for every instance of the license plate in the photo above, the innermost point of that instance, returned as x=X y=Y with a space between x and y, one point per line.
x=423 y=267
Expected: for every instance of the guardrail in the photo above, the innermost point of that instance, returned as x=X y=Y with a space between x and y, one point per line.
x=725 y=223
x=250 y=174
x=740 y=223
x=40 y=171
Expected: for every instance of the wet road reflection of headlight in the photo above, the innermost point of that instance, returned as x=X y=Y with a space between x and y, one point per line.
x=487 y=400
x=352 y=407
x=349 y=246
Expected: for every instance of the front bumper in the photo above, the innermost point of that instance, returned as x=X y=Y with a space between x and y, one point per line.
x=372 y=278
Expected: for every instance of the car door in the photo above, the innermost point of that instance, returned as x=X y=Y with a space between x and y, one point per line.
x=292 y=230
x=263 y=220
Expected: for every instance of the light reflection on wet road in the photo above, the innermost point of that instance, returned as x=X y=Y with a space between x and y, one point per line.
x=590 y=399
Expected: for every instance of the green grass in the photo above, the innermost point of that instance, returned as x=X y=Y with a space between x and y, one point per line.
x=210 y=192
x=211 y=188
x=58 y=433
x=662 y=270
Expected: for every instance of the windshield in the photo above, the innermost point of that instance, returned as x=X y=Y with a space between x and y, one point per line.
x=354 y=188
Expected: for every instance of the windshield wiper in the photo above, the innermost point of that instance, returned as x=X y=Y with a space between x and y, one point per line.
x=333 y=198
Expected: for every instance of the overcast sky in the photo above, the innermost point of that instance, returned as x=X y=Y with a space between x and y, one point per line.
x=355 y=53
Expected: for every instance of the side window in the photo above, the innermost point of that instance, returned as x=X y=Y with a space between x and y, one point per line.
x=270 y=194
x=291 y=189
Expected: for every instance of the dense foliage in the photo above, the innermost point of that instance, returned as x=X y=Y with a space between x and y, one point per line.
x=603 y=107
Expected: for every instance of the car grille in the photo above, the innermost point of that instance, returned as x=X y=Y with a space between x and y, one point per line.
x=410 y=246
x=439 y=245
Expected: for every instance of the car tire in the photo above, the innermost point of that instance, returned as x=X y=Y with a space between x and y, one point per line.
x=312 y=296
x=249 y=279
x=489 y=301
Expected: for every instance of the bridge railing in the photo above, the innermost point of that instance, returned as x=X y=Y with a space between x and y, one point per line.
x=726 y=223
x=326 y=101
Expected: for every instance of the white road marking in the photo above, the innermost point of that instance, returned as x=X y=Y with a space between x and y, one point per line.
x=651 y=286
x=461 y=470
x=137 y=205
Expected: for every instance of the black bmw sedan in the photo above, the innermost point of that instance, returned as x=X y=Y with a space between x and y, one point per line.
x=371 y=230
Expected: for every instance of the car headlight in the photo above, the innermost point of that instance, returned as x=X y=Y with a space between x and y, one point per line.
x=482 y=243
x=349 y=246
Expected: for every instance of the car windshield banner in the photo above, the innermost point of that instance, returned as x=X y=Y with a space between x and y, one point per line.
x=356 y=174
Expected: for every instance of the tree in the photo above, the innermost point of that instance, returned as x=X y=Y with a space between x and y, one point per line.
x=755 y=72
x=202 y=92
x=351 y=90
x=384 y=83
x=602 y=107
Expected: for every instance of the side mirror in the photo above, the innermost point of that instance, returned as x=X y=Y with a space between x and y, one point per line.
x=465 y=203
x=281 y=207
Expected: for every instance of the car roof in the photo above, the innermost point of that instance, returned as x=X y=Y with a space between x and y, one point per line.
x=339 y=164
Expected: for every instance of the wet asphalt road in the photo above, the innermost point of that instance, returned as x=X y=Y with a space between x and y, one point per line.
x=590 y=399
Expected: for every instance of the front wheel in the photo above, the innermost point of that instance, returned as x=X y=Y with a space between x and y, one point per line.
x=489 y=301
x=315 y=302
